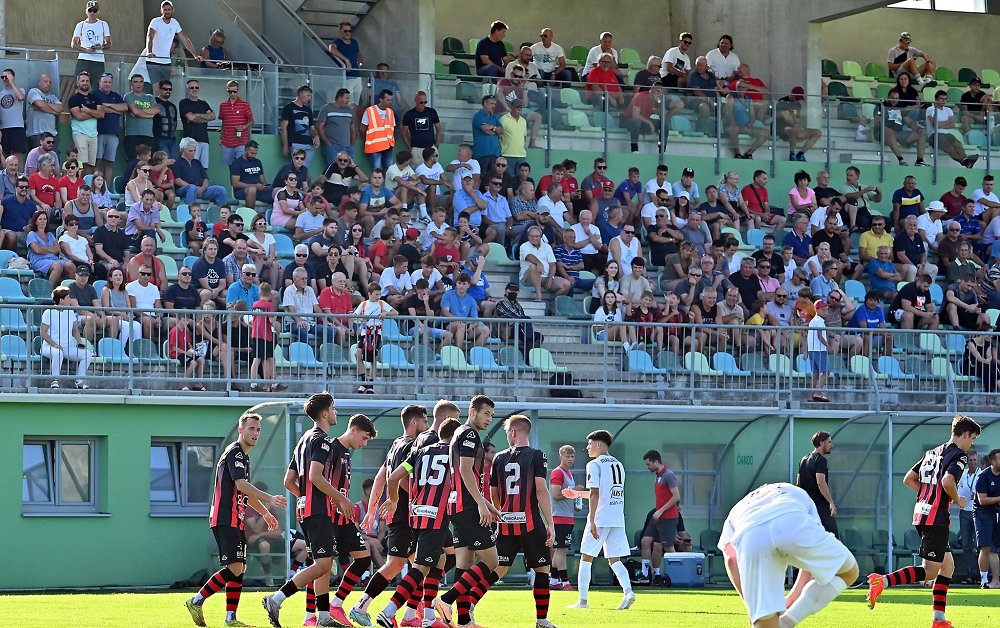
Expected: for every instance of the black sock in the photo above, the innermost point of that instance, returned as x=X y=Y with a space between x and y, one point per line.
x=289 y=588
x=634 y=147
x=323 y=603
x=449 y=563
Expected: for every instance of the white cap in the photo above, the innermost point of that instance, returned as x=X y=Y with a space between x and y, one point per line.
x=936 y=206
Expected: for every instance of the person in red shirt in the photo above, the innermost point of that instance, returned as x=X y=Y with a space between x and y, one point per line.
x=954 y=198
x=754 y=88
x=262 y=330
x=336 y=299
x=563 y=509
x=604 y=80
x=662 y=525
x=447 y=250
x=179 y=348
x=44 y=191
x=755 y=195
x=638 y=115
x=237 y=118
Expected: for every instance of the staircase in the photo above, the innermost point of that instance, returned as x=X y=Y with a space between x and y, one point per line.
x=324 y=16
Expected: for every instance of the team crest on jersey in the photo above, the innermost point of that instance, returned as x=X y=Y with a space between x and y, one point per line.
x=224 y=557
x=541 y=560
x=321 y=551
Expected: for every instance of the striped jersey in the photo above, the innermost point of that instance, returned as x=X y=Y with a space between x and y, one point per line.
x=430 y=486
x=339 y=463
x=424 y=439
x=932 y=504
x=513 y=474
x=228 y=503
x=313 y=446
x=399 y=451
x=465 y=444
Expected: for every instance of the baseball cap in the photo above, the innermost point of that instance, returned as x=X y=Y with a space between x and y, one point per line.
x=685 y=194
x=512 y=287
x=976 y=80
x=93 y=5
x=608 y=185
x=466 y=173
x=166 y=3
x=412 y=233
x=904 y=36
x=936 y=206
x=688 y=172
x=82 y=269
x=517 y=102
x=798 y=91
x=819 y=304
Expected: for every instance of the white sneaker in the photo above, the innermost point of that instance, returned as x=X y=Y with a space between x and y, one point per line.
x=627 y=601
x=579 y=604
x=626 y=346
x=544 y=623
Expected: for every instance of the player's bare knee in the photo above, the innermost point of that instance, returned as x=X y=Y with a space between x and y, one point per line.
x=237 y=568
x=849 y=572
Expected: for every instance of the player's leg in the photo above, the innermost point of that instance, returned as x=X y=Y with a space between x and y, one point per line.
x=537 y=560
x=319 y=534
x=616 y=545
x=820 y=581
x=481 y=538
x=430 y=544
x=399 y=538
x=933 y=546
x=590 y=547
x=349 y=539
x=431 y=582
x=232 y=559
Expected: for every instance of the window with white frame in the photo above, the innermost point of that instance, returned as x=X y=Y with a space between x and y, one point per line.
x=181 y=474
x=58 y=476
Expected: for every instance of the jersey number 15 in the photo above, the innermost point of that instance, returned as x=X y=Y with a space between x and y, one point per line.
x=432 y=470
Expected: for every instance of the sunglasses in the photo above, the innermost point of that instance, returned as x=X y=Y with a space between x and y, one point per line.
x=146 y=274
x=344 y=161
x=147 y=170
x=687 y=41
x=91 y=10
x=109 y=216
x=421 y=102
x=661 y=215
x=233 y=91
x=348 y=30
x=292 y=179
x=166 y=89
x=73 y=167
x=22 y=187
x=601 y=168
x=184 y=274
x=301 y=255
x=495 y=182
x=299 y=158
x=358 y=230
x=237 y=224
x=501 y=165
x=250 y=274
x=628 y=232
x=334 y=255
x=194 y=88
x=694 y=274
x=780 y=296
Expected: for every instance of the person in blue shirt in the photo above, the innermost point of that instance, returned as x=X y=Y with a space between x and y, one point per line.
x=347 y=50
x=486 y=132
x=14 y=217
x=883 y=275
x=871 y=316
x=629 y=192
x=470 y=200
x=799 y=239
x=457 y=303
x=246 y=289
x=246 y=175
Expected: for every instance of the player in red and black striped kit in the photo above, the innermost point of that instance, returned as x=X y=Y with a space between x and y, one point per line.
x=316 y=501
x=430 y=489
x=471 y=514
x=520 y=490
x=233 y=493
x=399 y=535
x=935 y=478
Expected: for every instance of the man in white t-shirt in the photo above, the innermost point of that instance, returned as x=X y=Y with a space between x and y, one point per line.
x=460 y=164
x=722 y=61
x=606 y=519
x=986 y=200
x=940 y=119
x=145 y=295
x=538 y=266
x=594 y=54
x=818 y=346
x=588 y=242
x=430 y=174
x=91 y=36
x=676 y=63
x=395 y=282
x=775 y=526
x=659 y=182
x=159 y=39
x=661 y=200
x=551 y=58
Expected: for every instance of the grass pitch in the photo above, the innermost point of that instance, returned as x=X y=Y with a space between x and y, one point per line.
x=672 y=608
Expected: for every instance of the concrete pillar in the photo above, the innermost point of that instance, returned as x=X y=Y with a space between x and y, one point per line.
x=400 y=33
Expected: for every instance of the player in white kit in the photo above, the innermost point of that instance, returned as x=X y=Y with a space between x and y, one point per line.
x=606 y=519
x=775 y=526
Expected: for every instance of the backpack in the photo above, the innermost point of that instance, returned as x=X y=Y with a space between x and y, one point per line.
x=566 y=388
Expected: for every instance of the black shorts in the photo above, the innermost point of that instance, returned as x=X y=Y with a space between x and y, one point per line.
x=15 y=141
x=263 y=349
x=232 y=545
x=933 y=542
x=968 y=320
x=319 y=532
x=431 y=543
x=531 y=544
x=829 y=523
x=399 y=539
x=347 y=539
x=564 y=535
x=370 y=346
x=663 y=531
x=468 y=531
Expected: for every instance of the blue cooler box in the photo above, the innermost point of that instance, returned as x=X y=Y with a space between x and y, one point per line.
x=686 y=569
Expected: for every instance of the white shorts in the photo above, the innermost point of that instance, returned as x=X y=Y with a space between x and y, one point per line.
x=86 y=147
x=764 y=552
x=613 y=541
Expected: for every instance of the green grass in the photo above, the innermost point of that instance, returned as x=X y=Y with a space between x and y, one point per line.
x=678 y=608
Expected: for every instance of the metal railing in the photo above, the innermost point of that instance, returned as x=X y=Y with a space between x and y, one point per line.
x=537 y=358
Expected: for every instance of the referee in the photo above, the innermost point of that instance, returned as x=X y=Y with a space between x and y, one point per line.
x=813 y=479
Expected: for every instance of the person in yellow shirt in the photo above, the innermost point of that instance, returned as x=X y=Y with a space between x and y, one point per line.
x=515 y=131
x=871 y=240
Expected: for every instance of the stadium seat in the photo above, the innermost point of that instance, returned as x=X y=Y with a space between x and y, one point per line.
x=113 y=351
x=580 y=122
x=954 y=343
x=671 y=362
x=990 y=77
x=889 y=366
x=146 y=352
x=755 y=238
x=993 y=315
x=570 y=97
x=641 y=362
x=919 y=367
x=483 y=359
x=698 y=362
x=708 y=543
x=937 y=294
x=453 y=46
x=856 y=290
x=280 y=362
x=169 y=247
x=911 y=543
x=391 y=332
x=166 y=220
x=630 y=57
x=393 y=357
x=608 y=121
x=853 y=70
x=976 y=138
x=498 y=256
x=183 y=213
x=302 y=354
x=118 y=188
x=512 y=358
x=454 y=358
x=542 y=359
x=681 y=124
x=15 y=349
x=836 y=90
x=424 y=357
x=882 y=91
x=862 y=367
x=931 y=343
x=190 y=260
x=965 y=75
x=782 y=365
x=735 y=233
x=726 y=364
x=10 y=291
x=466 y=91
x=570 y=308
x=831 y=70
x=879 y=72
x=460 y=68
x=579 y=54
x=169 y=266
x=333 y=355
x=284 y=247
x=862 y=90
x=753 y=362
x=12 y=321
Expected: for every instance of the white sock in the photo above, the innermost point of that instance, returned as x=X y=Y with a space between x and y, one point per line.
x=656 y=571
x=814 y=598
x=364 y=602
x=939 y=616
x=583 y=580
x=622 y=574
x=390 y=609
x=198 y=599
x=310 y=615
x=409 y=613
x=278 y=597
x=429 y=616
x=985 y=575
x=230 y=615
x=645 y=567
x=336 y=602
x=323 y=615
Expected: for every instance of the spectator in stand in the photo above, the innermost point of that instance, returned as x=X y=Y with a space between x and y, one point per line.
x=13 y=139
x=236 y=117
x=246 y=175
x=723 y=62
x=336 y=126
x=551 y=59
x=383 y=81
x=906 y=201
x=85 y=295
x=243 y=286
x=497 y=220
x=839 y=243
x=491 y=54
x=980 y=361
x=378 y=127
x=515 y=133
x=987 y=203
x=210 y=274
x=195 y=229
x=676 y=63
x=594 y=54
x=145 y=255
x=192 y=357
x=421 y=126
x=589 y=242
x=638 y=115
x=939 y=120
x=395 y=284
x=162 y=178
x=704 y=90
x=486 y=133
x=191 y=177
x=929 y=225
x=108 y=127
x=961 y=305
x=687 y=185
x=871 y=241
x=181 y=295
x=745 y=280
x=705 y=314
x=44 y=186
x=675 y=265
x=214 y=54
x=948 y=248
x=818 y=346
x=954 y=198
x=912 y=308
x=965 y=264
x=142 y=108
x=754 y=88
x=730 y=196
x=72 y=245
x=297 y=128
x=974 y=104
x=903 y=58
x=629 y=192
x=646 y=311
x=144 y=295
x=457 y=303
x=911 y=253
x=348 y=53
x=603 y=82
x=44 y=108
x=165 y=121
x=741 y=119
x=111 y=245
x=144 y=220
x=91 y=37
x=300 y=299
x=791 y=121
x=516 y=87
x=897 y=123
x=870 y=316
x=69 y=184
x=159 y=43
x=625 y=247
x=60 y=334
x=634 y=284
x=823 y=190
x=308 y=222
x=696 y=232
x=774 y=257
x=236 y=260
x=44 y=251
x=336 y=299
x=47 y=146
x=855 y=196
x=650 y=75
x=755 y=195
x=883 y=274
x=422 y=303
x=538 y=266
x=825 y=282
x=9 y=176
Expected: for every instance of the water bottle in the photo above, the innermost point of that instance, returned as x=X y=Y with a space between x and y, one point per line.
x=578 y=504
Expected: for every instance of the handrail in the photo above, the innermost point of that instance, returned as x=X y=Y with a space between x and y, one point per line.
x=251 y=32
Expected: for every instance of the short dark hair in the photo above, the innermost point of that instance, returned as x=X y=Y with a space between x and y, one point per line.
x=410 y=413
x=341 y=92
x=480 y=401
x=497 y=26
x=447 y=428
x=603 y=436
x=363 y=423
x=303 y=89
x=385 y=92
x=962 y=424
x=988 y=177
x=820 y=437
x=653 y=456
x=993 y=453
x=318 y=403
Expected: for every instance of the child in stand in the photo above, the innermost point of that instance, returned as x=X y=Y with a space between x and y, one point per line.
x=410 y=248
x=373 y=310
x=819 y=351
x=646 y=312
x=195 y=229
x=758 y=319
x=317 y=192
x=434 y=232
x=262 y=330
x=470 y=238
x=225 y=211
x=447 y=249
x=383 y=250
x=673 y=315
x=179 y=348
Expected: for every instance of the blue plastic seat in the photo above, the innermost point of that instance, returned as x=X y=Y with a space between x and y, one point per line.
x=10 y=291
x=391 y=333
x=15 y=349
x=333 y=354
x=755 y=237
x=302 y=354
x=856 y=290
x=12 y=321
x=955 y=343
x=484 y=359
x=284 y=247
x=889 y=366
x=642 y=362
x=394 y=357
x=112 y=350
x=726 y=362
x=937 y=294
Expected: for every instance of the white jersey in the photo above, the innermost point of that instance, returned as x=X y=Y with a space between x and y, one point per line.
x=765 y=504
x=607 y=475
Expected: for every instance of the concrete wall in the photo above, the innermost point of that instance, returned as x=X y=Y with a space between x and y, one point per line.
x=931 y=31
x=399 y=32
x=124 y=17
x=577 y=23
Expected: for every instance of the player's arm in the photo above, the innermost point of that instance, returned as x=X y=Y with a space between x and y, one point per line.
x=912 y=480
x=292 y=482
x=254 y=493
x=318 y=480
x=595 y=500
x=545 y=504
x=495 y=474
x=824 y=489
x=557 y=487
x=950 y=485
x=732 y=567
x=377 y=489
x=487 y=512
x=675 y=496
x=495 y=497
x=392 y=491
x=269 y=519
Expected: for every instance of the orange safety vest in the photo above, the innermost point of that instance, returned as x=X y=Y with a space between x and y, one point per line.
x=380 y=135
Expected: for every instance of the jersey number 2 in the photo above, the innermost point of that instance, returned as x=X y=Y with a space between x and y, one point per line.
x=513 y=473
